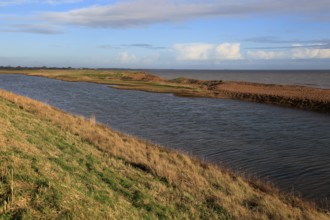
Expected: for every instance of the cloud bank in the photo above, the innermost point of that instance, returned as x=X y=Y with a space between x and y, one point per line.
x=267 y=55
x=203 y=52
x=232 y=51
x=307 y=53
x=296 y=53
x=33 y=29
x=133 y=13
x=51 y=2
x=228 y=51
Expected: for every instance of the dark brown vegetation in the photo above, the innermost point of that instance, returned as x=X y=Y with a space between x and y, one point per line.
x=290 y=96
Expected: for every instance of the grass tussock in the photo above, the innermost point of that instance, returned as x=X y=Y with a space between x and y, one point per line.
x=58 y=166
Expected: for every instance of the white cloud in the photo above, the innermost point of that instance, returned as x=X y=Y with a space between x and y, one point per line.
x=267 y=55
x=125 y=58
x=197 y=51
x=314 y=44
x=296 y=53
x=310 y=53
x=132 y=13
x=203 y=51
x=228 y=51
x=128 y=59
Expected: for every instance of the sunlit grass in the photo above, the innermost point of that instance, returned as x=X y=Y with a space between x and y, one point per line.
x=55 y=165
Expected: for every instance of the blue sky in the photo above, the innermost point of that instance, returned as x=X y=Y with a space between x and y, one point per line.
x=194 y=34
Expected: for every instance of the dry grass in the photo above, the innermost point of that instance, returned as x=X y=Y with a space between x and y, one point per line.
x=290 y=96
x=91 y=171
x=300 y=92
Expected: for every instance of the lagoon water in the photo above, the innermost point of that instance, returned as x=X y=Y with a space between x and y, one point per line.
x=289 y=147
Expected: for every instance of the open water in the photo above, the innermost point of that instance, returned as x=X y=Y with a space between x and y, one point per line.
x=289 y=147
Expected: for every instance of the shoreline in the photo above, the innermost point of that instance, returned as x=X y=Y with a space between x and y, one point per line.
x=301 y=97
x=222 y=192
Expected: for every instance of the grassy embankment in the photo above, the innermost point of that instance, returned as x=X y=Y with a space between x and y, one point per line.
x=118 y=79
x=290 y=96
x=58 y=166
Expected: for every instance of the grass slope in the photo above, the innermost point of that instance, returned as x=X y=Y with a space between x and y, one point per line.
x=58 y=166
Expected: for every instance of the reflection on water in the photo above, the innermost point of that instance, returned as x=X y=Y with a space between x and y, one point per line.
x=287 y=146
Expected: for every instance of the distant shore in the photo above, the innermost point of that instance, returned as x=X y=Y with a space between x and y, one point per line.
x=301 y=97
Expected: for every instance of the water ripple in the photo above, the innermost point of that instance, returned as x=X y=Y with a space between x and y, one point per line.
x=287 y=146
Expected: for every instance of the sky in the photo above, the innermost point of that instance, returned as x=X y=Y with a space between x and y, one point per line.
x=166 y=34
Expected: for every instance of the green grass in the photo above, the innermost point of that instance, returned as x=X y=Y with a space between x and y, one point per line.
x=57 y=166
x=58 y=175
